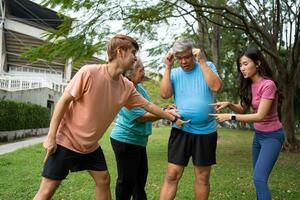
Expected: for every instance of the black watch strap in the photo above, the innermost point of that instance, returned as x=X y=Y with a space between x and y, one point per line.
x=233 y=117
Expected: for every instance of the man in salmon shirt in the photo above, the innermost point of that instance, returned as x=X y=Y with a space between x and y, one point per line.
x=84 y=112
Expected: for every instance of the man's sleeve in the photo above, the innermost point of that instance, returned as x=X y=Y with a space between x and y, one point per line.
x=213 y=67
x=80 y=83
x=135 y=99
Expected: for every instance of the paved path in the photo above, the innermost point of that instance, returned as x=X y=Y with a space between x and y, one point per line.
x=6 y=148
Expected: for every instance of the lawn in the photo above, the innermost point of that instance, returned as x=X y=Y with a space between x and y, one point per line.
x=230 y=178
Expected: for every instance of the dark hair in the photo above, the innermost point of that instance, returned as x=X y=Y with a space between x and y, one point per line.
x=264 y=70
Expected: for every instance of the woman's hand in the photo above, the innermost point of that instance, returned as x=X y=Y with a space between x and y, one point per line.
x=220 y=105
x=221 y=117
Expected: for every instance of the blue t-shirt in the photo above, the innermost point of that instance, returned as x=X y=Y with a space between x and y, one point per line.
x=127 y=129
x=192 y=96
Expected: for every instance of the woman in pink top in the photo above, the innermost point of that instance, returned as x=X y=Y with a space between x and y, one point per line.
x=258 y=90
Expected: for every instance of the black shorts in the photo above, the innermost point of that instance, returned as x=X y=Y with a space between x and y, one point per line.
x=59 y=164
x=182 y=145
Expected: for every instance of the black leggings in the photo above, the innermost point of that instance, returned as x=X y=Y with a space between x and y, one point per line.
x=132 y=164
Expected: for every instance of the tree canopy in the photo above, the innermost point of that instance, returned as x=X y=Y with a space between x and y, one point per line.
x=221 y=28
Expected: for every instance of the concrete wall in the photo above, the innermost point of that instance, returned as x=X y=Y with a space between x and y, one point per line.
x=39 y=96
x=9 y=136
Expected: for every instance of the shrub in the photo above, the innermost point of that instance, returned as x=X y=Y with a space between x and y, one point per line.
x=18 y=115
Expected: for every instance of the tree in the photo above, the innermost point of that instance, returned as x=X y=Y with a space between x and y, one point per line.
x=273 y=26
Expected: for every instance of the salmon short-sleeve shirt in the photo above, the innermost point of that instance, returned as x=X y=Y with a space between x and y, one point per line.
x=97 y=100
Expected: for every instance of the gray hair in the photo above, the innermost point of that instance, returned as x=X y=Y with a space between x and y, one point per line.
x=132 y=70
x=183 y=44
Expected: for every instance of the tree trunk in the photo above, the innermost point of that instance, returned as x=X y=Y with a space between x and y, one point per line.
x=216 y=38
x=216 y=46
x=288 y=117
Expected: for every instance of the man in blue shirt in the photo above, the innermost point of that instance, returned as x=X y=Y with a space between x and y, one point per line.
x=193 y=85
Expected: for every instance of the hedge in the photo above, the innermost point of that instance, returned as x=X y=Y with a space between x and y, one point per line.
x=18 y=115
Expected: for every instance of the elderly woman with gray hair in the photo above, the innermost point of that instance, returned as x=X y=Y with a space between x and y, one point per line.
x=129 y=138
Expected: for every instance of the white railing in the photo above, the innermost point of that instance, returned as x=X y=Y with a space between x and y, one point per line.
x=15 y=83
x=47 y=74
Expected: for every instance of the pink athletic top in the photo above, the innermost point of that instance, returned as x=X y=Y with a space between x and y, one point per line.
x=97 y=100
x=266 y=89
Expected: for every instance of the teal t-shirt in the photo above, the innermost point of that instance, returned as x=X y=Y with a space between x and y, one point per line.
x=192 y=97
x=127 y=129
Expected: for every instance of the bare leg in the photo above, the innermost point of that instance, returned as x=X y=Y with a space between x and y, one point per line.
x=202 y=186
x=47 y=189
x=169 y=187
x=102 y=181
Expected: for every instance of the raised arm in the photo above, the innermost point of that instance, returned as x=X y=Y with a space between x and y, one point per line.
x=237 y=108
x=166 y=90
x=262 y=111
x=152 y=117
x=148 y=117
x=152 y=108
x=213 y=81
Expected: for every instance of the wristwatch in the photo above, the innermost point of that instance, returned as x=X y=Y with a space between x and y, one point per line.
x=233 y=116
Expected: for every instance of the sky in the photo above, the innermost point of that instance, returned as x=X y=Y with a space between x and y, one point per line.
x=166 y=34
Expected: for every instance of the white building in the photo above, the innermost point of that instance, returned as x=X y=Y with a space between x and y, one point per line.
x=23 y=24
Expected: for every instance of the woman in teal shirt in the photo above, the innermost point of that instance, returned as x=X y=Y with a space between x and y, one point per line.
x=129 y=138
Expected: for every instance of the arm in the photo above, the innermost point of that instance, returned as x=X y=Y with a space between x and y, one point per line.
x=59 y=111
x=148 y=117
x=237 y=108
x=165 y=115
x=213 y=81
x=151 y=117
x=263 y=109
x=166 y=90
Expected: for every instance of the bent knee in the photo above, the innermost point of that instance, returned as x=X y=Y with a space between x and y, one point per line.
x=47 y=188
x=103 y=180
x=259 y=182
x=260 y=178
x=172 y=176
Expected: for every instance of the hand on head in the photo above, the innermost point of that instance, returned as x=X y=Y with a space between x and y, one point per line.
x=220 y=105
x=198 y=54
x=169 y=59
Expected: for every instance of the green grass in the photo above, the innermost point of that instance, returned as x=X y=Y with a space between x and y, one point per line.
x=231 y=178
